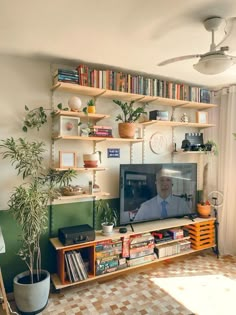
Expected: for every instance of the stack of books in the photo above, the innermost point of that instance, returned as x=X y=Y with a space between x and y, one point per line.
x=75 y=267
x=66 y=75
x=108 y=256
x=101 y=131
x=141 y=249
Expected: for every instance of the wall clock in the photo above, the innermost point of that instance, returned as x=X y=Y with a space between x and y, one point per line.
x=158 y=143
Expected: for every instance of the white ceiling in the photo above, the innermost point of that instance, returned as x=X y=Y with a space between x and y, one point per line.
x=129 y=34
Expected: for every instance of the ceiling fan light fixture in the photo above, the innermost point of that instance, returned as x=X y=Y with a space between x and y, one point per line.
x=213 y=64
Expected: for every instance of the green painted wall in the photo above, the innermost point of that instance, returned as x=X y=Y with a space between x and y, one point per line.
x=59 y=216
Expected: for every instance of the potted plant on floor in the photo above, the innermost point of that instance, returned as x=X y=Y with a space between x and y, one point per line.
x=29 y=206
x=129 y=116
x=108 y=216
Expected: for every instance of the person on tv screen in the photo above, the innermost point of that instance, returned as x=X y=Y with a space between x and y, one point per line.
x=164 y=204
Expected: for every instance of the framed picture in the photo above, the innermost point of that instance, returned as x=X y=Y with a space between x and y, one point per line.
x=67 y=159
x=202 y=117
x=66 y=126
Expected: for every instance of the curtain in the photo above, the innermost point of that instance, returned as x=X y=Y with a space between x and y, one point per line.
x=225 y=172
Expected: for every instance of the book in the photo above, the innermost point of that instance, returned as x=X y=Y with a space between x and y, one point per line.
x=68 y=270
x=82 y=265
x=77 y=266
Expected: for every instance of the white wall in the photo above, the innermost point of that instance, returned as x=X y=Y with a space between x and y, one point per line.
x=27 y=82
x=22 y=82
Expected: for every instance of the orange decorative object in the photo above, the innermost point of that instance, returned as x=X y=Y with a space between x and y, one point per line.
x=204 y=211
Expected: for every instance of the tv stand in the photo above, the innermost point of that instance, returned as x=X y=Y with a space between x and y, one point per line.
x=88 y=249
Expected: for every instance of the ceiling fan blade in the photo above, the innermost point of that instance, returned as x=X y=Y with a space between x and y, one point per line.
x=171 y=60
x=230 y=33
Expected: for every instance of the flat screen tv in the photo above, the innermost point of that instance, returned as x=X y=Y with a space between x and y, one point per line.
x=157 y=191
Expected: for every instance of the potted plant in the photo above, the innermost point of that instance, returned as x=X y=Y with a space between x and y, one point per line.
x=29 y=206
x=128 y=118
x=108 y=216
x=91 y=106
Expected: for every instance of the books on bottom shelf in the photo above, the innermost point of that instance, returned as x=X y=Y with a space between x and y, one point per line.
x=75 y=266
x=172 y=249
x=141 y=260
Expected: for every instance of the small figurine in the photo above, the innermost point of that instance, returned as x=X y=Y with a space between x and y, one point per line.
x=184 y=118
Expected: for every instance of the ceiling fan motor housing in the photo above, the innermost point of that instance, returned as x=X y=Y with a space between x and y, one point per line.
x=212 y=23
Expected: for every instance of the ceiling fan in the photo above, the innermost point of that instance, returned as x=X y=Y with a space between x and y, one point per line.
x=216 y=60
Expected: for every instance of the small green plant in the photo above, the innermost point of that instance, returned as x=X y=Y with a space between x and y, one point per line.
x=37 y=117
x=91 y=102
x=211 y=146
x=234 y=134
x=130 y=114
x=106 y=213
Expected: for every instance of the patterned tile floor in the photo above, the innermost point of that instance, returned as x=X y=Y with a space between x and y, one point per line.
x=145 y=291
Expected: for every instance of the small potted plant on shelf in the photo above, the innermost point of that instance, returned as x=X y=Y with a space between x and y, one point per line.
x=129 y=116
x=108 y=216
x=29 y=206
x=91 y=106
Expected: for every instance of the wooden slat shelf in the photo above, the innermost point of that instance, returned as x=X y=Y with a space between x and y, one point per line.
x=169 y=123
x=96 y=92
x=82 y=115
x=97 y=139
x=82 y=196
x=82 y=169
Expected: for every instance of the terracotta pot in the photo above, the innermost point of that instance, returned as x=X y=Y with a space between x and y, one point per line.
x=126 y=130
x=91 y=160
x=204 y=211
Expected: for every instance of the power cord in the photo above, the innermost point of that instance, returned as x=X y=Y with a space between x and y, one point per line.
x=11 y=311
x=8 y=305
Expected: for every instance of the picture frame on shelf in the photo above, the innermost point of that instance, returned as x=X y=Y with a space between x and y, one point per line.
x=202 y=117
x=66 y=126
x=67 y=159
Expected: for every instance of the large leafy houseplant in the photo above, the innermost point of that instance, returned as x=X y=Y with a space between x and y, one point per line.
x=29 y=206
x=29 y=200
x=129 y=116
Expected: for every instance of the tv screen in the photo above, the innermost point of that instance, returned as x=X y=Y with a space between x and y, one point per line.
x=157 y=191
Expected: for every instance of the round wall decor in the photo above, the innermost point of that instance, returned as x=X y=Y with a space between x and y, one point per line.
x=158 y=143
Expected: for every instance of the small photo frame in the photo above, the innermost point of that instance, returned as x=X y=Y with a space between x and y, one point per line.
x=202 y=117
x=67 y=159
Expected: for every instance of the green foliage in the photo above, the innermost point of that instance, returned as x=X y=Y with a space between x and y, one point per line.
x=91 y=102
x=130 y=114
x=29 y=201
x=37 y=117
x=214 y=147
x=234 y=134
x=105 y=212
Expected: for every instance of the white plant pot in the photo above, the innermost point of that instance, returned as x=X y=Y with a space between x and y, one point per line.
x=107 y=228
x=31 y=298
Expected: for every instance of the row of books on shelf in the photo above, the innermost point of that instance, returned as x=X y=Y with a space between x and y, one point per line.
x=130 y=83
x=76 y=268
x=166 y=250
